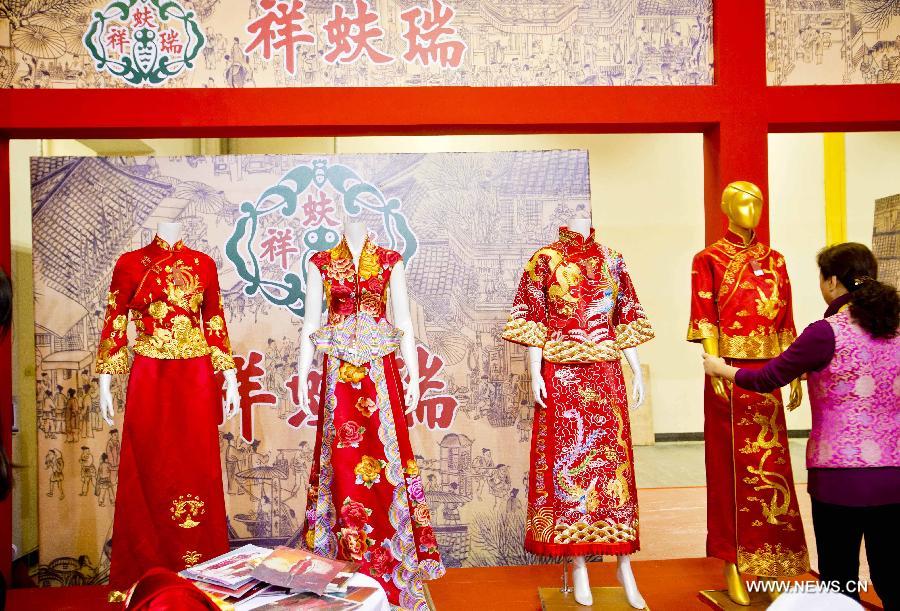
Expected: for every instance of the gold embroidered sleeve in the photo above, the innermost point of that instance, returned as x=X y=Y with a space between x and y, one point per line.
x=221 y=360
x=111 y=362
x=699 y=330
x=634 y=333
x=525 y=332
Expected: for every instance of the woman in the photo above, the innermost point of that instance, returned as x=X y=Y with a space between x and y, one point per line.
x=852 y=359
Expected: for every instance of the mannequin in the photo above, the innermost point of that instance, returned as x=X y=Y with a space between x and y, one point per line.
x=169 y=456
x=365 y=490
x=355 y=233
x=740 y=285
x=171 y=233
x=539 y=390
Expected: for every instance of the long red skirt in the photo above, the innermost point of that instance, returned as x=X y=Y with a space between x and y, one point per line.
x=170 y=508
x=366 y=502
x=752 y=515
x=582 y=497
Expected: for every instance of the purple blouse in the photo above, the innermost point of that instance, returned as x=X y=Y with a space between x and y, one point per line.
x=812 y=351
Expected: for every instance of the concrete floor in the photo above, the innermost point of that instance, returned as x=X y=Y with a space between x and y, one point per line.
x=675 y=464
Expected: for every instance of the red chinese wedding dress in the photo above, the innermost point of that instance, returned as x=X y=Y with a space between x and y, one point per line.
x=741 y=297
x=366 y=502
x=170 y=508
x=576 y=301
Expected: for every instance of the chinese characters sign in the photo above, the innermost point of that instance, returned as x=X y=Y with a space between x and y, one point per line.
x=144 y=41
x=354 y=43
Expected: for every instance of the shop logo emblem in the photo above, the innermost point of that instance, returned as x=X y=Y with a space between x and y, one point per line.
x=144 y=41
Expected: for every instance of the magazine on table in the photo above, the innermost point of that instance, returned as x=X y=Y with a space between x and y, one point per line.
x=232 y=570
x=342 y=579
x=299 y=570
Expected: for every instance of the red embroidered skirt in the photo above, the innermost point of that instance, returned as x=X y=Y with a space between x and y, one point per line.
x=751 y=506
x=366 y=502
x=582 y=497
x=170 y=508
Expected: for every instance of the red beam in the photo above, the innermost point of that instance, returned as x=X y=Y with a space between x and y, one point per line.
x=257 y=112
x=841 y=108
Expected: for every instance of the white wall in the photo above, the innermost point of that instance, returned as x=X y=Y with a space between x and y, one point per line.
x=873 y=172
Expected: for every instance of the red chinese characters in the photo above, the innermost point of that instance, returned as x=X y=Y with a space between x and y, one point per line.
x=351 y=37
x=280 y=28
x=430 y=38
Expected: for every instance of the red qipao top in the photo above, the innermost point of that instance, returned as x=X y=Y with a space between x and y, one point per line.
x=172 y=294
x=741 y=296
x=577 y=302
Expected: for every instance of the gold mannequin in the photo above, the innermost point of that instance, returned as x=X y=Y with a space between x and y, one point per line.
x=742 y=203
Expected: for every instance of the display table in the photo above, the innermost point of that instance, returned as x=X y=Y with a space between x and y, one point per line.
x=83 y=598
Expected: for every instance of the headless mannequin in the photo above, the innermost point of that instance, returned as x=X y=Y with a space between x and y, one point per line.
x=742 y=203
x=355 y=233
x=579 y=570
x=171 y=233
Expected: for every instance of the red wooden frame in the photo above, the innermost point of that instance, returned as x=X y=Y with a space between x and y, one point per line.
x=735 y=115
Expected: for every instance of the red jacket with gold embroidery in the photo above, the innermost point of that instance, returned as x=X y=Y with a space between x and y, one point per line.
x=172 y=294
x=577 y=302
x=741 y=296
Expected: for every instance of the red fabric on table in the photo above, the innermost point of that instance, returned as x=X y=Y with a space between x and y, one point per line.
x=163 y=590
x=169 y=466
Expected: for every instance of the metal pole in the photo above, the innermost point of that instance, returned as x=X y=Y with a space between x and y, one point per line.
x=566 y=589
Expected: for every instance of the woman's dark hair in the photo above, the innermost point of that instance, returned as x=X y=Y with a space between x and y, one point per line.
x=874 y=305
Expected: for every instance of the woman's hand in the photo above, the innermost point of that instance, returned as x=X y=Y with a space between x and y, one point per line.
x=714 y=366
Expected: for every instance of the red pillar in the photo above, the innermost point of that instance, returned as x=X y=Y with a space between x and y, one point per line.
x=737 y=148
x=6 y=412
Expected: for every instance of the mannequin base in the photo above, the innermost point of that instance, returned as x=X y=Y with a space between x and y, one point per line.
x=607 y=599
x=719 y=599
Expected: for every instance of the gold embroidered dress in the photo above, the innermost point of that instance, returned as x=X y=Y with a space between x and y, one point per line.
x=741 y=297
x=576 y=301
x=170 y=508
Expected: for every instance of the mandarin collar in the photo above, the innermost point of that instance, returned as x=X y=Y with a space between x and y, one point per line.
x=163 y=245
x=574 y=237
x=836 y=304
x=738 y=240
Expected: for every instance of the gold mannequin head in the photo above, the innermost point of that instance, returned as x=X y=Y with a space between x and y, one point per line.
x=742 y=203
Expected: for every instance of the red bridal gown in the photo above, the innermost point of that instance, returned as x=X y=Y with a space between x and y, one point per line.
x=576 y=302
x=741 y=296
x=170 y=508
x=366 y=502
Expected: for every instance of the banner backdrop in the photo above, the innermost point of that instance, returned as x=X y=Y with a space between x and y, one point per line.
x=353 y=43
x=465 y=224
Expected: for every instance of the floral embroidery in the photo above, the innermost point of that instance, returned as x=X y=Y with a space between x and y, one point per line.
x=341 y=269
x=355 y=515
x=370 y=303
x=191 y=558
x=182 y=341
x=187 y=509
x=412 y=468
x=368 y=471
x=422 y=515
x=352 y=374
x=354 y=543
x=427 y=541
x=158 y=310
x=366 y=406
x=216 y=325
x=380 y=561
x=369 y=265
x=120 y=324
x=350 y=435
x=111 y=298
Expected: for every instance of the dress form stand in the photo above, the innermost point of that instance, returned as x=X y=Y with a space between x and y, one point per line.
x=582 y=595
